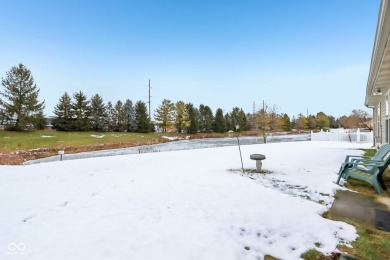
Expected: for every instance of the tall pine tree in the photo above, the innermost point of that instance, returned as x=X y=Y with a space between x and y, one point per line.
x=230 y=124
x=63 y=111
x=164 y=114
x=81 y=109
x=119 y=117
x=110 y=116
x=142 y=118
x=193 y=116
x=2 y=114
x=19 y=105
x=98 y=113
x=219 y=125
x=206 y=118
x=286 y=123
x=238 y=117
x=182 y=120
x=322 y=120
x=131 y=123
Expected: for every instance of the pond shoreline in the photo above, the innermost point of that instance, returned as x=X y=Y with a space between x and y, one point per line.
x=175 y=146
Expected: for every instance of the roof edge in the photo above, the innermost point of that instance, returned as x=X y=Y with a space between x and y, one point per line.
x=381 y=36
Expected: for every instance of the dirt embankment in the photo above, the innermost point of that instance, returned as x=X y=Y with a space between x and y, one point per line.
x=20 y=156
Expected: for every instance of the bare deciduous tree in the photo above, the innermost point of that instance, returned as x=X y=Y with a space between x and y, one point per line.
x=267 y=119
x=357 y=119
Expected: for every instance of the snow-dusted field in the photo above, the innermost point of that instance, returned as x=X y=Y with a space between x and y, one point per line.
x=175 y=205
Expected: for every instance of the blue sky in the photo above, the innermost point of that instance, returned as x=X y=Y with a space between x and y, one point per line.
x=298 y=55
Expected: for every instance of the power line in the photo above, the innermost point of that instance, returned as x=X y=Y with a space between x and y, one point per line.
x=149 y=101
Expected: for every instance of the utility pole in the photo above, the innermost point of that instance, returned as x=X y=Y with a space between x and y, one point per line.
x=149 y=101
x=254 y=107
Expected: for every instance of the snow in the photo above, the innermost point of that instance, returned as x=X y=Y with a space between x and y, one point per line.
x=174 y=146
x=97 y=136
x=193 y=204
x=175 y=138
x=170 y=138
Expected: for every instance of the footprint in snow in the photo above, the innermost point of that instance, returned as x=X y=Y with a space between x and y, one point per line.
x=64 y=204
x=28 y=218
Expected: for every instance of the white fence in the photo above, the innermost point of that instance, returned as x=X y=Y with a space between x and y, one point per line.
x=344 y=135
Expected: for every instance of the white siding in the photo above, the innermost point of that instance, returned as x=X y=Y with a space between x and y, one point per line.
x=380 y=121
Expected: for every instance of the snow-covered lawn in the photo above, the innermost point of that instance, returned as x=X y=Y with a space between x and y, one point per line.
x=175 y=205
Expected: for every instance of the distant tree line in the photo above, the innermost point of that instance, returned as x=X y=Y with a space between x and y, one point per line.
x=20 y=109
x=185 y=117
x=77 y=113
x=82 y=114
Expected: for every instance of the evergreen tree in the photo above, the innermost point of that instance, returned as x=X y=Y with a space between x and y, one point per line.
x=110 y=116
x=39 y=121
x=119 y=117
x=98 y=113
x=301 y=122
x=293 y=122
x=2 y=114
x=238 y=117
x=142 y=118
x=312 y=124
x=64 y=116
x=234 y=118
x=81 y=110
x=20 y=106
x=131 y=123
x=229 y=122
x=243 y=120
x=182 y=120
x=164 y=114
x=333 y=123
x=206 y=118
x=193 y=116
x=286 y=123
x=219 y=125
x=322 y=120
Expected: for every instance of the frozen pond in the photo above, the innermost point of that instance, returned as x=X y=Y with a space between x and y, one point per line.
x=177 y=145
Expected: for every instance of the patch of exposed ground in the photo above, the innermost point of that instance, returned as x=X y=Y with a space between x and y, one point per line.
x=20 y=156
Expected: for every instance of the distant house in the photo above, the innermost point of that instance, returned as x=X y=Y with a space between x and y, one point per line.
x=48 y=127
x=378 y=83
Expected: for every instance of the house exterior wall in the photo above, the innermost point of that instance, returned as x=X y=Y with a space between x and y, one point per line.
x=381 y=116
x=379 y=78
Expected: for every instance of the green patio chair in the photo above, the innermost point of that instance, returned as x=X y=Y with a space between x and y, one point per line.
x=370 y=171
x=380 y=155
